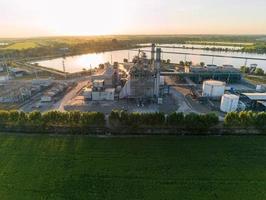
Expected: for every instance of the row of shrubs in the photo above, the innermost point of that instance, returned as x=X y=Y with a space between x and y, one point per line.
x=124 y=119
x=116 y=119
x=52 y=118
x=189 y=121
x=246 y=119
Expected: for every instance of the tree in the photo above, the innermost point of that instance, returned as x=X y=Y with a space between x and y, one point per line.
x=4 y=116
x=259 y=72
x=35 y=117
x=181 y=63
x=74 y=117
x=260 y=120
x=14 y=116
x=232 y=119
x=188 y=63
x=244 y=69
x=175 y=119
x=202 y=64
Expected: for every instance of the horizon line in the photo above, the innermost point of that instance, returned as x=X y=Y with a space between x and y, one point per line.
x=115 y=35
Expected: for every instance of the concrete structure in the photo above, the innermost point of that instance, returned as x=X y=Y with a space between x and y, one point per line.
x=213 y=88
x=144 y=78
x=98 y=84
x=229 y=103
x=226 y=73
x=162 y=82
x=87 y=93
x=107 y=95
x=110 y=76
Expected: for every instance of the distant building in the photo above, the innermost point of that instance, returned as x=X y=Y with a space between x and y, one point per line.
x=17 y=72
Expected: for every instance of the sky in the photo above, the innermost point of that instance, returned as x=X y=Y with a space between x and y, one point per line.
x=27 y=18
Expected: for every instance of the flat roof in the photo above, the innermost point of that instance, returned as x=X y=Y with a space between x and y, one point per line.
x=110 y=89
x=256 y=96
x=214 y=82
x=231 y=96
x=98 y=81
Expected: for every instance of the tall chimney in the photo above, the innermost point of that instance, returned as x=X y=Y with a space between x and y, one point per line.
x=157 y=68
x=152 y=52
x=158 y=54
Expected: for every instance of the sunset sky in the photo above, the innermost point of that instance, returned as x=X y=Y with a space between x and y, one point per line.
x=21 y=18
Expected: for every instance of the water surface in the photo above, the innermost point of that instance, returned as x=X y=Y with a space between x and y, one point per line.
x=87 y=61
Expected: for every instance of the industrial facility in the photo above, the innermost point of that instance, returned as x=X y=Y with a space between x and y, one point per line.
x=146 y=84
x=144 y=78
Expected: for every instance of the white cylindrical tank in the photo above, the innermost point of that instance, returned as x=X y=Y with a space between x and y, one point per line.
x=229 y=103
x=213 y=88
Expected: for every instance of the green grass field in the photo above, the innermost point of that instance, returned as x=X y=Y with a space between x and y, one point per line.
x=22 y=45
x=76 y=167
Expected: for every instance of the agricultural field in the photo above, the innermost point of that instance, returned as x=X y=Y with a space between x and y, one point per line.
x=81 y=167
x=22 y=45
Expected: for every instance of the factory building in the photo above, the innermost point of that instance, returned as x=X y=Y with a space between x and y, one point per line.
x=144 y=77
x=226 y=73
x=110 y=76
x=99 y=91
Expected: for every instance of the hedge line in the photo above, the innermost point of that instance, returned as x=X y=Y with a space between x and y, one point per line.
x=118 y=119
x=51 y=118
x=246 y=119
x=189 y=121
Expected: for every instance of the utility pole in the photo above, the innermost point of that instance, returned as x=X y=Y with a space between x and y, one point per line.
x=64 y=67
x=246 y=62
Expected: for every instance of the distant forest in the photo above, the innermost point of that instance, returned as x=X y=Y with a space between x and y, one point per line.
x=59 y=46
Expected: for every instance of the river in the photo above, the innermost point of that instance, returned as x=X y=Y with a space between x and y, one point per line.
x=87 y=61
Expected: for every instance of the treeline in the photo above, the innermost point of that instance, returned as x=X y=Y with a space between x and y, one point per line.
x=175 y=120
x=256 y=48
x=68 y=49
x=253 y=71
x=53 y=118
x=117 y=119
x=76 y=122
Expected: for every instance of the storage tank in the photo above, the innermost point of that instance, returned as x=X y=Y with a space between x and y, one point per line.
x=213 y=88
x=229 y=103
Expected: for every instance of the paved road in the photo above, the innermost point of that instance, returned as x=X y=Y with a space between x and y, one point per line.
x=70 y=95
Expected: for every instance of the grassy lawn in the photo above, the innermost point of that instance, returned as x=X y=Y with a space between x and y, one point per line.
x=75 y=167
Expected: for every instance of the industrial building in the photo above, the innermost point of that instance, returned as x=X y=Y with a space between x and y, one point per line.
x=50 y=94
x=110 y=75
x=226 y=73
x=144 y=78
x=99 y=91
